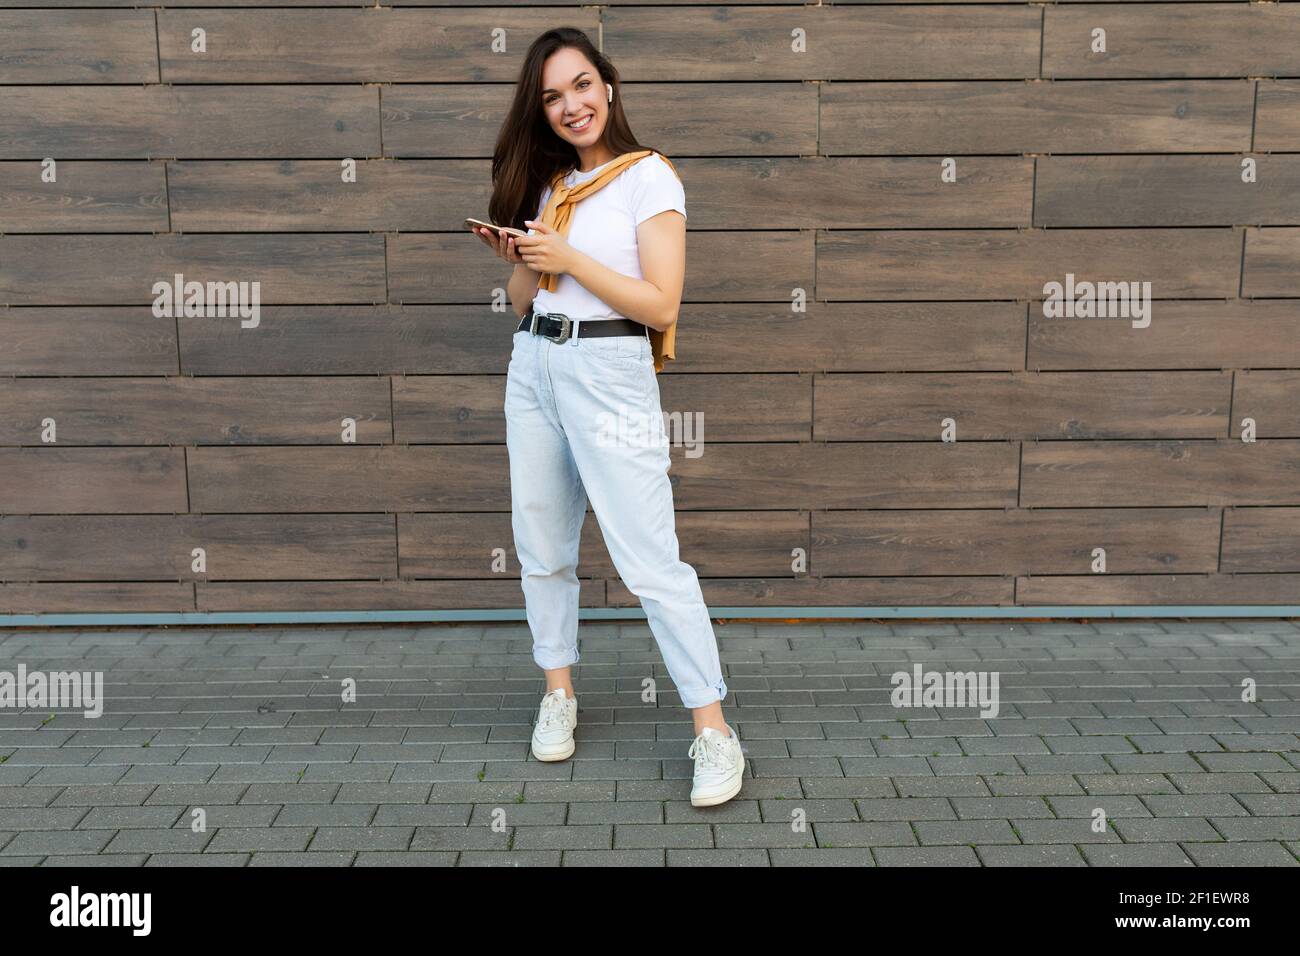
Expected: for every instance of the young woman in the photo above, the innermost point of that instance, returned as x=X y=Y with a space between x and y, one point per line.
x=598 y=284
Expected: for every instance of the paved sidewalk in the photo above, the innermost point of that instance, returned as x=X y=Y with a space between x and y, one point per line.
x=1140 y=720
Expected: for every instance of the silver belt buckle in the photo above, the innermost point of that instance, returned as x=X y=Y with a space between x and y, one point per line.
x=565 y=325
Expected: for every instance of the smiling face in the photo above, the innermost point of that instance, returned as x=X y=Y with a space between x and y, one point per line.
x=573 y=92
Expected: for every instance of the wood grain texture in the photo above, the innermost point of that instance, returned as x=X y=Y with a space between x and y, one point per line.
x=85 y=197
x=77 y=46
x=373 y=45
x=744 y=119
x=1039 y=541
x=1173 y=40
x=207 y=122
x=197 y=411
x=159 y=547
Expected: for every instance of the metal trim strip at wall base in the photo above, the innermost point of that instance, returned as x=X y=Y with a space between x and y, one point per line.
x=1063 y=611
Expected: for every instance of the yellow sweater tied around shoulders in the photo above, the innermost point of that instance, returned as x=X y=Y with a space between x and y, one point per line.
x=558 y=214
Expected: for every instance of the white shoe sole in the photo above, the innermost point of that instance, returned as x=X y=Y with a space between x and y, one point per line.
x=562 y=754
x=722 y=796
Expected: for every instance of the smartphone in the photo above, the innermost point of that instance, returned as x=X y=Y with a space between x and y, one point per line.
x=499 y=230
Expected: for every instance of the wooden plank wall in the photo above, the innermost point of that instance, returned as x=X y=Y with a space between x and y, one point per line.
x=842 y=300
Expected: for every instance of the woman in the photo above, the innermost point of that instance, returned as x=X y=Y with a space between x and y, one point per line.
x=598 y=284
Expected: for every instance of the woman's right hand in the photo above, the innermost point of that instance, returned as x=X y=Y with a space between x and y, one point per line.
x=503 y=247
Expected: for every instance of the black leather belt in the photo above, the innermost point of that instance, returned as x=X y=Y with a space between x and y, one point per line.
x=557 y=327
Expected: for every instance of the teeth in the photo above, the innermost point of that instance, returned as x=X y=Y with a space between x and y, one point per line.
x=581 y=124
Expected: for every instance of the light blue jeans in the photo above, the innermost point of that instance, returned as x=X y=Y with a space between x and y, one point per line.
x=583 y=421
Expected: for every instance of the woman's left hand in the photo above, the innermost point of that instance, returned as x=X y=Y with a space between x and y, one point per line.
x=546 y=250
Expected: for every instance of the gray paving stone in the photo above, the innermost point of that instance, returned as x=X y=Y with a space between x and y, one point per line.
x=882 y=833
x=926 y=856
x=198 y=859
x=1240 y=854
x=128 y=818
x=175 y=840
x=361 y=838
x=1135 y=854
x=50 y=842
x=1043 y=854
x=1252 y=828
x=99 y=859
x=569 y=837
x=987 y=808
x=252 y=839
x=408 y=858
x=637 y=836
x=932 y=832
x=1167 y=830
x=630 y=811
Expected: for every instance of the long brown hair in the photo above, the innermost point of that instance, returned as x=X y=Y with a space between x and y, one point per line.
x=528 y=154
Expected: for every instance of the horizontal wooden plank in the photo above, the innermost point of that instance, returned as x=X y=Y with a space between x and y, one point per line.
x=847 y=475
x=352 y=340
x=715 y=543
x=1271 y=265
x=1097 y=116
x=774 y=264
x=1277 y=115
x=1268 y=397
x=727 y=337
x=998 y=264
x=86 y=341
x=1173 y=40
x=121 y=270
x=426 y=195
x=1239 y=333
x=236 y=547
x=1180 y=589
x=742 y=476
x=372 y=45
x=1136 y=541
x=364 y=478
x=85 y=197
x=312 y=195
x=97 y=597
x=1261 y=539
x=843 y=43
x=1165 y=473
x=210 y=122
x=247 y=410
x=93 y=481
x=78 y=46
x=840 y=592
x=735 y=119
x=372 y=595
x=47 y=4
x=1165 y=191
x=697 y=408
x=1005 y=406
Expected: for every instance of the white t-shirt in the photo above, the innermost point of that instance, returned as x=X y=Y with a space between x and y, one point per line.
x=603 y=226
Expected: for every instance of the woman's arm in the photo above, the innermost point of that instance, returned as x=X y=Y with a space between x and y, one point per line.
x=656 y=299
x=522 y=288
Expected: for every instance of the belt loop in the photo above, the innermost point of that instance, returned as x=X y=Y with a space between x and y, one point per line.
x=574 y=323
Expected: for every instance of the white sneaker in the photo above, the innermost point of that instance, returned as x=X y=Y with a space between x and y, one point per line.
x=556 y=719
x=719 y=767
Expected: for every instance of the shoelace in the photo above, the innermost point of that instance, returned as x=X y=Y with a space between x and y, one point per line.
x=553 y=711
x=709 y=752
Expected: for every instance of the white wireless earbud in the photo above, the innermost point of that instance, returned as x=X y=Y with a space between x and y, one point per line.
x=611 y=92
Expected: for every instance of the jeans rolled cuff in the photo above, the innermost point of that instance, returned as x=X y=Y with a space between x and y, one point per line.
x=702 y=698
x=546 y=663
